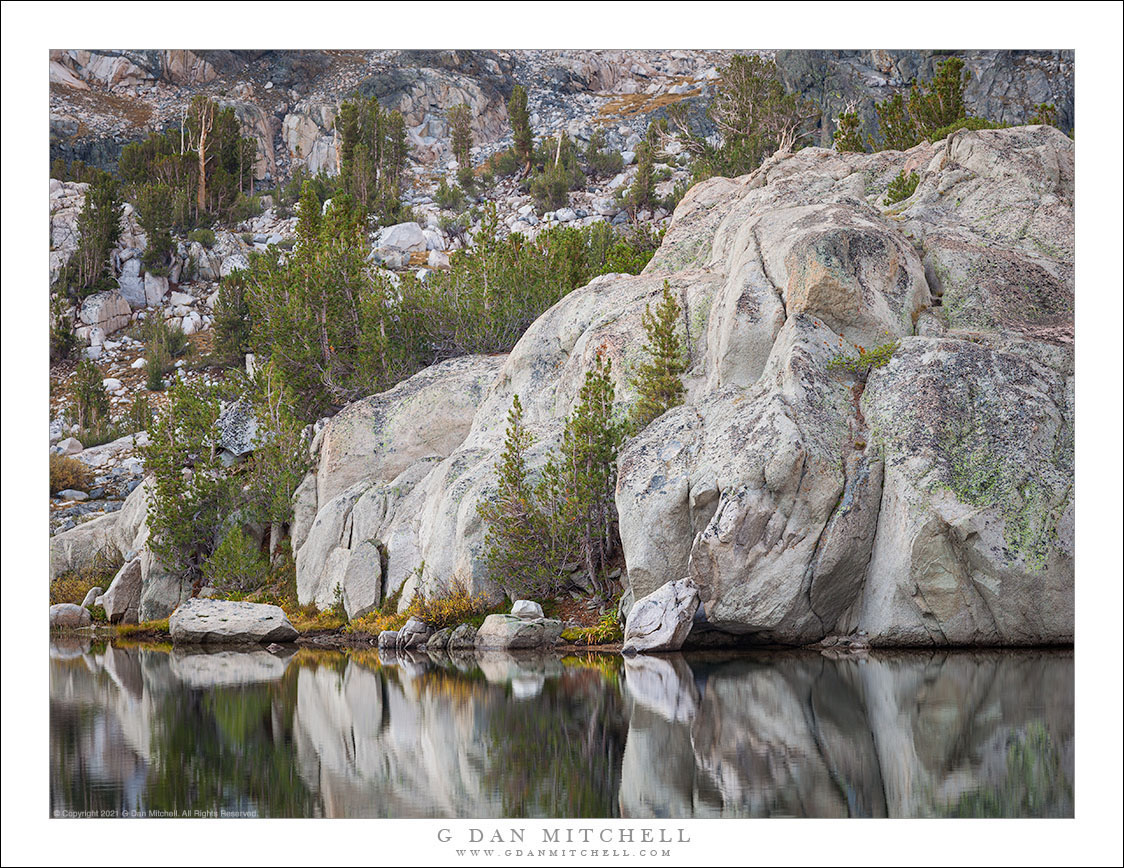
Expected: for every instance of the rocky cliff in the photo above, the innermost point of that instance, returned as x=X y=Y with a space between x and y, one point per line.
x=928 y=500
x=1005 y=86
x=877 y=440
x=102 y=99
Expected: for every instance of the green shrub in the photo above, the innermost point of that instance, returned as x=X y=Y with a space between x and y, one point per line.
x=865 y=361
x=164 y=343
x=602 y=162
x=204 y=236
x=97 y=614
x=606 y=631
x=966 y=124
x=91 y=403
x=901 y=187
x=504 y=163
x=450 y=198
x=237 y=565
x=1044 y=113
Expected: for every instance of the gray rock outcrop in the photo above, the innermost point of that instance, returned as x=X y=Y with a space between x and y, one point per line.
x=413 y=634
x=69 y=616
x=217 y=621
x=661 y=620
x=516 y=633
x=923 y=500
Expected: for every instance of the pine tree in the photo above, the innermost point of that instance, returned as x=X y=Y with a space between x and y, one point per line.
x=192 y=495
x=932 y=108
x=642 y=193
x=232 y=320
x=90 y=399
x=895 y=126
x=460 y=130
x=941 y=103
x=281 y=457
x=848 y=135
x=588 y=466
x=659 y=380
x=99 y=227
x=154 y=214
x=521 y=126
x=517 y=539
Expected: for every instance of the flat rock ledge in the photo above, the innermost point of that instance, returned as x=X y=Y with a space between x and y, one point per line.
x=226 y=621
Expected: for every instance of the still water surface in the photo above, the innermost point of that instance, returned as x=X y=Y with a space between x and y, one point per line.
x=330 y=734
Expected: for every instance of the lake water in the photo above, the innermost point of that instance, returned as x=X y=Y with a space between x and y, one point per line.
x=328 y=734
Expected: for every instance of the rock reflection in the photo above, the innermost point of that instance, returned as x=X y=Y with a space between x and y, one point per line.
x=320 y=733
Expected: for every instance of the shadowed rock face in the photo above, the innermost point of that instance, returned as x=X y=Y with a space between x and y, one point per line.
x=514 y=735
x=1004 y=85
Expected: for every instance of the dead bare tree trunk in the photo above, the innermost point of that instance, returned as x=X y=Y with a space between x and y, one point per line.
x=206 y=119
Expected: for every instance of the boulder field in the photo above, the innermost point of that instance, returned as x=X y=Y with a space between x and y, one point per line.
x=806 y=492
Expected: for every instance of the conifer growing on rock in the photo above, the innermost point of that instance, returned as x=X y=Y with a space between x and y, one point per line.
x=460 y=130
x=848 y=134
x=659 y=380
x=588 y=466
x=517 y=543
x=192 y=494
x=99 y=227
x=521 y=126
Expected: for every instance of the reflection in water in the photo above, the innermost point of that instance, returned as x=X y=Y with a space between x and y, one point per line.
x=318 y=733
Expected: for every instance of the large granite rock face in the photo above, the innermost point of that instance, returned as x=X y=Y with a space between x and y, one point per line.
x=927 y=503
x=924 y=501
x=216 y=621
x=371 y=457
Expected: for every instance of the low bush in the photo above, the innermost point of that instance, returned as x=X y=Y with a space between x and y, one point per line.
x=204 y=236
x=902 y=187
x=450 y=198
x=69 y=473
x=866 y=360
x=607 y=630
x=73 y=585
x=457 y=606
x=237 y=565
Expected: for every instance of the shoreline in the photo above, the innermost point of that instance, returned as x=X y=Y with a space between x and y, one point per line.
x=367 y=641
